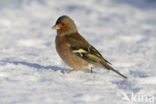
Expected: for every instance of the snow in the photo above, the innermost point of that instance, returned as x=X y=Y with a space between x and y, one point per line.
x=31 y=72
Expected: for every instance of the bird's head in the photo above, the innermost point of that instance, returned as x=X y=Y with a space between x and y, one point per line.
x=65 y=25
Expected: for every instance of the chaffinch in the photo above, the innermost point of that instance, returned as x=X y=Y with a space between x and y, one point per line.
x=74 y=50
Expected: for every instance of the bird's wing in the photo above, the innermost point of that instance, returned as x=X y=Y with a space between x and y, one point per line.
x=81 y=48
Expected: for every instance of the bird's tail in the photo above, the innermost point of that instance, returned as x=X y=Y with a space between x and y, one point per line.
x=107 y=66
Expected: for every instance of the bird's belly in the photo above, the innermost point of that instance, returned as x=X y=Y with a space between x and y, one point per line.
x=63 y=49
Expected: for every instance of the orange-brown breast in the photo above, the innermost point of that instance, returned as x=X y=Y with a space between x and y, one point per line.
x=63 y=49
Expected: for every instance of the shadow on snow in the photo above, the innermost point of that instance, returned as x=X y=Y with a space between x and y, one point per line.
x=34 y=65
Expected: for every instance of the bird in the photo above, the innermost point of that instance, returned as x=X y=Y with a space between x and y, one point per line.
x=75 y=50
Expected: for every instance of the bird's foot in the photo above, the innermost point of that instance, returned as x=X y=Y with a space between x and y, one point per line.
x=70 y=71
x=91 y=70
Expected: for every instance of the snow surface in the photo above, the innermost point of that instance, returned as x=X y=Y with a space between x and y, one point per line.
x=31 y=72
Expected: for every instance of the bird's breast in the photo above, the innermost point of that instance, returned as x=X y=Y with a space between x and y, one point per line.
x=63 y=49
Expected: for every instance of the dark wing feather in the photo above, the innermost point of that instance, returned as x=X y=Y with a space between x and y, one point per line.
x=89 y=52
x=95 y=52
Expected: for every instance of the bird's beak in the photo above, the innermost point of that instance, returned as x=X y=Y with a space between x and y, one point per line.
x=56 y=27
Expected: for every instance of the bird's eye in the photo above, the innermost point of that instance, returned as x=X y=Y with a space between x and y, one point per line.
x=63 y=24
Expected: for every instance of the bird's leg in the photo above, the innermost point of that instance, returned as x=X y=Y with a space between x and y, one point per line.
x=91 y=70
x=70 y=71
